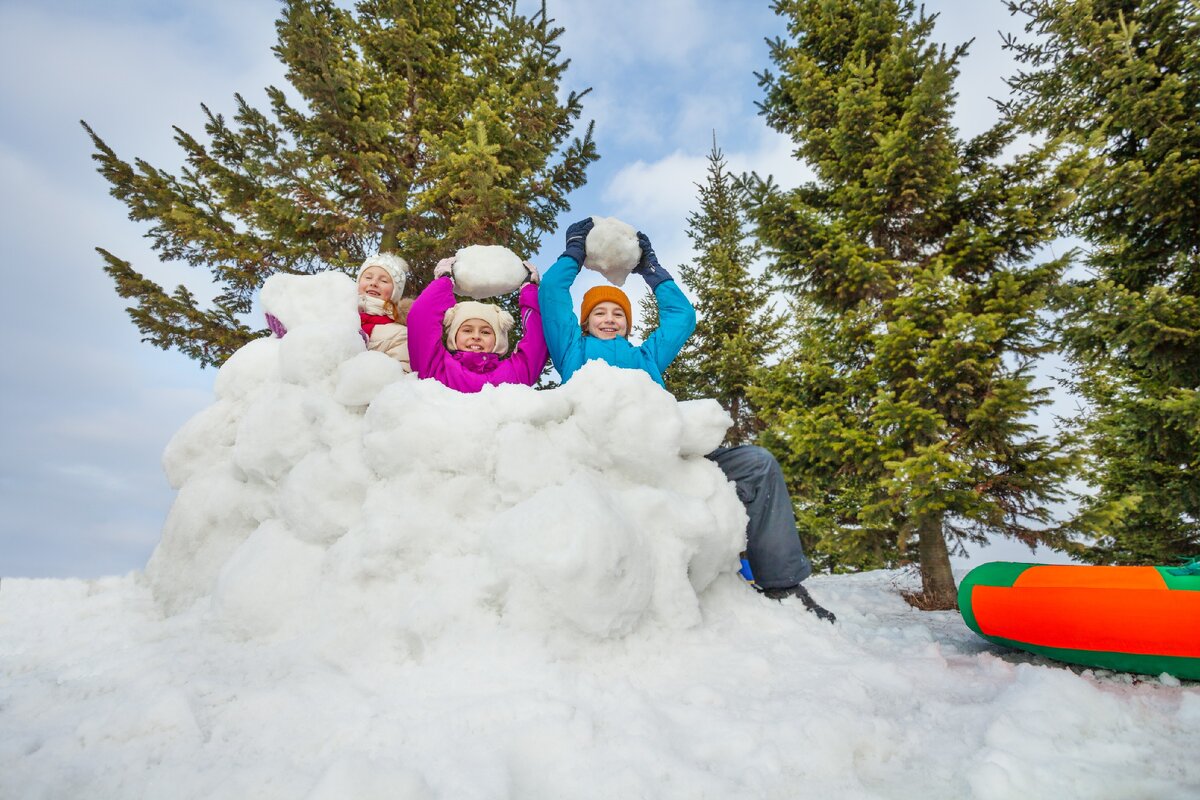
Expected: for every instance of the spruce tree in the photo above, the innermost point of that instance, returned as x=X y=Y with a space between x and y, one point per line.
x=413 y=126
x=905 y=416
x=1120 y=81
x=736 y=332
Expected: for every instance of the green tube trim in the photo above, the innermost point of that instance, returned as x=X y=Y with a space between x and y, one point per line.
x=1141 y=663
x=1179 y=582
x=993 y=573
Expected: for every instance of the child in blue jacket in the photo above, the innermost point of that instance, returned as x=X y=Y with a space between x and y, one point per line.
x=773 y=546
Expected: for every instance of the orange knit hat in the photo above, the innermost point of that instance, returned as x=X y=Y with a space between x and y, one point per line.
x=600 y=294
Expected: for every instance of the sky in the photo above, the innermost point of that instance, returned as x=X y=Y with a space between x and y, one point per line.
x=87 y=409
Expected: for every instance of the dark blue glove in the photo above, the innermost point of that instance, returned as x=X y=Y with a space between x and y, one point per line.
x=648 y=266
x=577 y=239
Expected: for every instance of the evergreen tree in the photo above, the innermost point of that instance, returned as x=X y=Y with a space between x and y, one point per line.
x=1121 y=82
x=417 y=127
x=905 y=416
x=736 y=332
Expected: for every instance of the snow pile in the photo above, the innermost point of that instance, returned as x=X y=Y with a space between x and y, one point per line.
x=325 y=488
x=487 y=270
x=612 y=249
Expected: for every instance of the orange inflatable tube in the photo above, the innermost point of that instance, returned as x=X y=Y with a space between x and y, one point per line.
x=1132 y=619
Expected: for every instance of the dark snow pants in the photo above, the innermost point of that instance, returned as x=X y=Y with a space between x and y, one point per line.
x=772 y=545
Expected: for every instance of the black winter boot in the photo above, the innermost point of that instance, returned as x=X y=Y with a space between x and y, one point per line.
x=799 y=591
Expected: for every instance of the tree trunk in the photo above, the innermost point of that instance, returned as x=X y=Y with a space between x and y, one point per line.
x=937 y=580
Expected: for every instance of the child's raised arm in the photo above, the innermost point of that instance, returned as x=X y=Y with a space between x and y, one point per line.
x=676 y=314
x=564 y=338
x=425 y=318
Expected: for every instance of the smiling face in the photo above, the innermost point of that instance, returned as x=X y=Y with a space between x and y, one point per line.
x=476 y=336
x=607 y=321
x=376 y=282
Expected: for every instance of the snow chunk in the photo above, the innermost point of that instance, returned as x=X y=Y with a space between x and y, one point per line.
x=253 y=365
x=487 y=270
x=362 y=377
x=612 y=249
x=329 y=298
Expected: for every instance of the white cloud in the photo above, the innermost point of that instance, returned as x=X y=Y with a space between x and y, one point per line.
x=658 y=196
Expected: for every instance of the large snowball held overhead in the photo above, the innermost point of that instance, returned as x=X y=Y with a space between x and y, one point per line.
x=612 y=249
x=487 y=270
x=324 y=487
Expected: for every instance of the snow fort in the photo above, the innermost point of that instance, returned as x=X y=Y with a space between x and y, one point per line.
x=327 y=493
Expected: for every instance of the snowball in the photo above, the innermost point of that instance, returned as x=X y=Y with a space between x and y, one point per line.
x=482 y=271
x=329 y=298
x=612 y=249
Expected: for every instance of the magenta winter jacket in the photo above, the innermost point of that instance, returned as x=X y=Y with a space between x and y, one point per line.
x=468 y=371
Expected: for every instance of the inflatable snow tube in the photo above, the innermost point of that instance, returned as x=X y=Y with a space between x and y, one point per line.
x=1130 y=619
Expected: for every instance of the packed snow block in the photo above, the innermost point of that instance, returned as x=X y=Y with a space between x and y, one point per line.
x=202 y=444
x=590 y=569
x=612 y=249
x=248 y=604
x=361 y=378
x=442 y=429
x=487 y=270
x=704 y=426
x=213 y=513
x=252 y=366
x=329 y=298
x=276 y=431
x=321 y=497
x=312 y=353
x=628 y=422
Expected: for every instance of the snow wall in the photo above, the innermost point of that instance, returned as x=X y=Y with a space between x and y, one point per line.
x=326 y=493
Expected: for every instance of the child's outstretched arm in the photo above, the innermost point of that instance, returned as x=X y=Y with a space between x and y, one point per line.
x=425 y=349
x=564 y=339
x=676 y=314
x=526 y=363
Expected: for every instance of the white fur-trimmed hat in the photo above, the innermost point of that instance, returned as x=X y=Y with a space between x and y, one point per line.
x=393 y=265
x=500 y=320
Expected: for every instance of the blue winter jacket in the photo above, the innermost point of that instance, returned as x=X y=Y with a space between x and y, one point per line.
x=570 y=348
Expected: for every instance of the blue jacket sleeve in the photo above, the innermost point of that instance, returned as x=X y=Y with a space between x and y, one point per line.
x=564 y=338
x=676 y=321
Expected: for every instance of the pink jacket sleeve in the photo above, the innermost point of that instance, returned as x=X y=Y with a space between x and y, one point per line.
x=527 y=361
x=426 y=352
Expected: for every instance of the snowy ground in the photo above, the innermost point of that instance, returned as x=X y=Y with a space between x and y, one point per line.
x=102 y=697
x=370 y=586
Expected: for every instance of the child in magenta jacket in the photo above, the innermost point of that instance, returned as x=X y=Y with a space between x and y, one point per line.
x=462 y=345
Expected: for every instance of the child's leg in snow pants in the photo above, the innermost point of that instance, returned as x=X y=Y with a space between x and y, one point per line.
x=772 y=544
